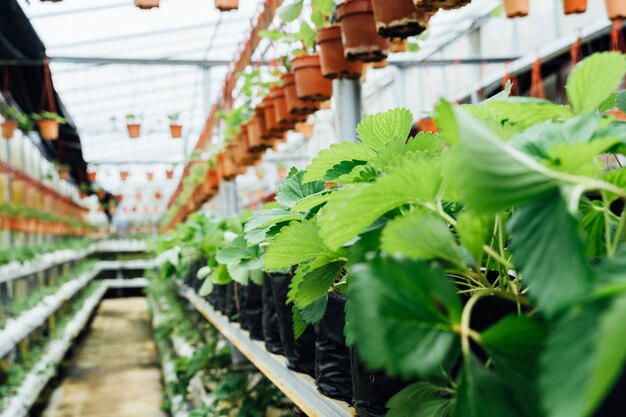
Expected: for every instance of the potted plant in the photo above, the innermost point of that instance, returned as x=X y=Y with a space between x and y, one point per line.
x=92 y=175
x=124 y=175
x=100 y=193
x=295 y=105
x=226 y=5
x=146 y=4
x=400 y=19
x=13 y=118
x=334 y=63
x=361 y=41
x=133 y=125
x=615 y=9
x=516 y=8
x=83 y=190
x=48 y=123
x=176 y=129
x=63 y=170
x=169 y=174
x=150 y=176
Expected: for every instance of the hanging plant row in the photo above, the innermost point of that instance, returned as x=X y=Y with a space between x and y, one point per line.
x=480 y=268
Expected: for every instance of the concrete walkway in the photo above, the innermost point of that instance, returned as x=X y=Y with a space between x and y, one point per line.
x=115 y=371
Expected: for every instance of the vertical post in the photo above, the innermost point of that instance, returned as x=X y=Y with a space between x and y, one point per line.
x=231 y=200
x=9 y=191
x=556 y=14
x=347 y=95
x=474 y=39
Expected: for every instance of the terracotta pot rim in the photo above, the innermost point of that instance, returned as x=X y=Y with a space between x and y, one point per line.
x=327 y=34
x=305 y=61
x=354 y=7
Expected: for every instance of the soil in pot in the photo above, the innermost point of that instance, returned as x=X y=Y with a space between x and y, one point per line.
x=616 y=9
x=220 y=297
x=134 y=130
x=241 y=295
x=310 y=83
x=516 y=8
x=254 y=310
x=372 y=390
x=361 y=41
x=294 y=104
x=271 y=333
x=176 y=131
x=332 y=57
x=332 y=357
x=230 y=306
x=399 y=19
x=8 y=128
x=300 y=352
x=48 y=129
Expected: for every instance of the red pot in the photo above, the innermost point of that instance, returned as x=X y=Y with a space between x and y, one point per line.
x=616 y=9
x=176 y=131
x=294 y=104
x=91 y=176
x=574 y=6
x=260 y=119
x=48 y=129
x=169 y=174
x=399 y=19
x=134 y=130
x=333 y=61
x=146 y=4
x=516 y=8
x=123 y=175
x=361 y=41
x=310 y=83
x=8 y=128
x=226 y=5
x=270 y=115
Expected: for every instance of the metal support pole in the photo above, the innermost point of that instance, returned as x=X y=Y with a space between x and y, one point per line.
x=230 y=198
x=348 y=108
x=474 y=39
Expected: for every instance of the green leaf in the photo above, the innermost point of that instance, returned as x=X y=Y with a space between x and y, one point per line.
x=594 y=79
x=357 y=206
x=425 y=142
x=235 y=252
x=259 y=225
x=608 y=104
x=421 y=399
x=311 y=202
x=497 y=176
x=342 y=168
x=514 y=345
x=316 y=283
x=379 y=129
x=485 y=393
x=550 y=254
x=207 y=288
x=620 y=100
x=402 y=316
x=421 y=235
x=290 y=11
x=473 y=232
x=593 y=339
x=307 y=35
x=298 y=242
x=615 y=177
x=593 y=222
x=523 y=112
x=314 y=312
x=293 y=189
x=335 y=154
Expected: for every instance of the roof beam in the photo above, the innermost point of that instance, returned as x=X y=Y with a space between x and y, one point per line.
x=119 y=61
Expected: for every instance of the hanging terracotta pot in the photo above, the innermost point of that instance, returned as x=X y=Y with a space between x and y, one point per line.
x=8 y=128
x=306 y=129
x=399 y=19
x=91 y=176
x=150 y=176
x=176 y=131
x=380 y=64
x=270 y=115
x=332 y=57
x=48 y=129
x=616 y=9
x=213 y=178
x=134 y=130
x=283 y=118
x=516 y=8
x=255 y=143
x=574 y=6
x=146 y=4
x=399 y=45
x=310 y=83
x=169 y=174
x=226 y=5
x=157 y=195
x=361 y=41
x=123 y=175
x=260 y=119
x=434 y=5
x=294 y=104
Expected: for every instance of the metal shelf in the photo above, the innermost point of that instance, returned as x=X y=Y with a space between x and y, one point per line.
x=299 y=388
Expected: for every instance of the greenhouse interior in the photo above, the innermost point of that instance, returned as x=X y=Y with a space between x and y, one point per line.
x=312 y=208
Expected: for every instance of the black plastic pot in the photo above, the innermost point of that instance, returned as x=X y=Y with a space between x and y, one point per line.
x=254 y=310
x=220 y=297
x=271 y=334
x=230 y=305
x=300 y=352
x=241 y=294
x=191 y=279
x=332 y=357
x=372 y=390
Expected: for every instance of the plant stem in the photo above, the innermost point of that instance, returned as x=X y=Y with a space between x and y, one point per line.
x=465 y=322
x=618 y=233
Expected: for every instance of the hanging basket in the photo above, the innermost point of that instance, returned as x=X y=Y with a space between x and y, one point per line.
x=146 y=4
x=48 y=129
x=574 y=6
x=310 y=83
x=176 y=131
x=134 y=130
x=516 y=8
x=226 y=5
x=361 y=41
x=333 y=61
x=616 y=9
x=8 y=128
x=399 y=19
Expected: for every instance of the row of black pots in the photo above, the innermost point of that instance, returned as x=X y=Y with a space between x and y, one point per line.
x=320 y=352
